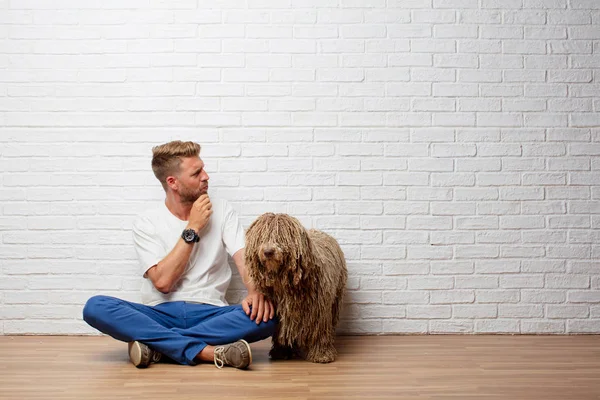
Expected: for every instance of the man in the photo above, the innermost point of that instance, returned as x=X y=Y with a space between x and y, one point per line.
x=182 y=246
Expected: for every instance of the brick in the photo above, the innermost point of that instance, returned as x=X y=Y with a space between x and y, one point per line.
x=362 y=208
x=559 y=281
x=455 y=4
x=454 y=326
x=522 y=222
x=476 y=194
x=476 y=251
x=427 y=165
x=374 y=311
x=405 y=326
x=520 y=311
x=537 y=327
x=404 y=237
x=544 y=296
x=454 y=208
x=524 y=17
x=497 y=296
x=583 y=326
x=407 y=268
x=429 y=253
x=543 y=266
x=473 y=311
x=376 y=222
x=452 y=297
x=480 y=46
x=501 y=32
x=382 y=283
x=448 y=179
x=522 y=251
x=476 y=223
x=451 y=267
x=589 y=296
x=406 y=297
x=501 y=61
x=567 y=311
x=430 y=283
x=583 y=267
x=410 y=31
x=455 y=31
x=480 y=17
x=383 y=252
x=498 y=237
x=521 y=281
x=428 y=312
x=496 y=267
x=420 y=193
x=497 y=326
x=498 y=208
x=463 y=282
x=362 y=297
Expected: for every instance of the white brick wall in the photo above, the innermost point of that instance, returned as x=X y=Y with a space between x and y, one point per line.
x=452 y=146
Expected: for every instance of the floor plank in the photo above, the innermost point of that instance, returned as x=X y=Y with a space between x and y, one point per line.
x=375 y=367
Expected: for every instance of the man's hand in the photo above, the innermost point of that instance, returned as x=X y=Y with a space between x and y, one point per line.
x=200 y=213
x=258 y=307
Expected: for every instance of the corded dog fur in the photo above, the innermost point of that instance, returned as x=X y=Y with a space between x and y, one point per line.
x=304 y=273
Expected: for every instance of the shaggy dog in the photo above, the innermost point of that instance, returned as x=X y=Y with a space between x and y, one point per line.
x=304 y=273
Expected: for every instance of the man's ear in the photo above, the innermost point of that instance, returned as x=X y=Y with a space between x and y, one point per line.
x=172 y=182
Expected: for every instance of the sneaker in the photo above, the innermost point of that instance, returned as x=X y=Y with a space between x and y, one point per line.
x=141 y=355
x=236 y=354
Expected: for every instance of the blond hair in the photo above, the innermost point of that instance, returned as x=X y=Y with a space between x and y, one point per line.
x=166 y=158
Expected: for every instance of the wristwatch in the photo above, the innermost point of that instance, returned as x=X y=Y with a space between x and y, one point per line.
x=190 y=236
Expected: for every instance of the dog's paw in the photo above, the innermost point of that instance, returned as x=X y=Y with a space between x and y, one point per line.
x=321 y=358
x=280 y=353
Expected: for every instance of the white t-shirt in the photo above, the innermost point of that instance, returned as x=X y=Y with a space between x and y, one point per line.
x=207 y=273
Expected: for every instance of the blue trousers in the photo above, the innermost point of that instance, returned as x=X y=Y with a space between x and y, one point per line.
x=178 y=329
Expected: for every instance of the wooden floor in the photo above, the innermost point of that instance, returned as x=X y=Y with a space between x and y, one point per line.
x=388 y=367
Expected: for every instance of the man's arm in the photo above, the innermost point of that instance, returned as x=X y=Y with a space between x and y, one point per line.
x=262 y=308
x=169 y=270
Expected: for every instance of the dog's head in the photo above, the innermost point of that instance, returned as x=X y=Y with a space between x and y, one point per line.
x=277 y=250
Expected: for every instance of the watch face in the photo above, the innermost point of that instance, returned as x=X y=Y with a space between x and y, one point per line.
x=189 y=235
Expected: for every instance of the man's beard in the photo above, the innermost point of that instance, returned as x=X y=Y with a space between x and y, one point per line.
x=190 y=195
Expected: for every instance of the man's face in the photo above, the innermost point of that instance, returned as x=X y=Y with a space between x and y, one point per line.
x=193 y=179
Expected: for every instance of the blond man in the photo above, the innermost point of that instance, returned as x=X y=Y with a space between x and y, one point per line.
x=182 y=246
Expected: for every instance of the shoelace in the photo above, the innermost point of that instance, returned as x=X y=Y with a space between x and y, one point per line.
x=220 y=358
x=156 y=357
